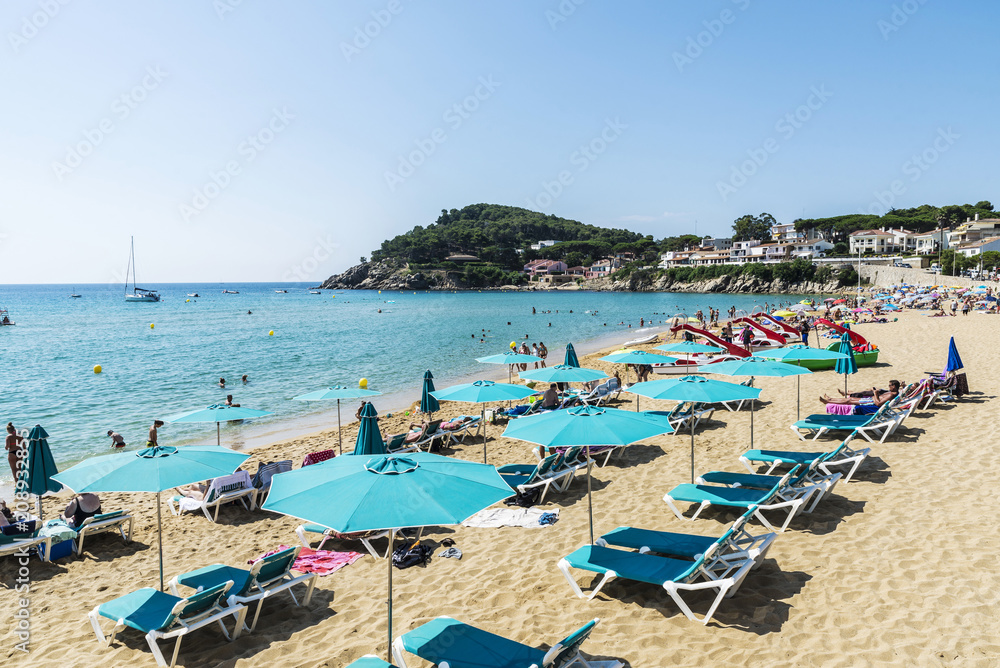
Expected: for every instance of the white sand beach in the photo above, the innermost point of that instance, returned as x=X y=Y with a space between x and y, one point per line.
x=897 y=567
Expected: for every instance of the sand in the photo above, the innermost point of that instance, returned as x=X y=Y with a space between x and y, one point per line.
x=897 y=567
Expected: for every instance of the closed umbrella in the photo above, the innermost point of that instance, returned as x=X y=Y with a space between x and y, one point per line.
x=587 y=426
x=41 y=466
x=695 y=389
x=387 y=492
x=151 y=470
x=756 y=366
x=846 y=365
x=218 y=413
x=510 y=359
x=369 y=437
x=338 y=392
x=484 y=392
x=571 y=359
x=954 y=361
x=796 y=354
x=428 y=404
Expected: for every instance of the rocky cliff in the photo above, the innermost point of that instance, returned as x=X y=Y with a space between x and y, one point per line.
x=386 y=276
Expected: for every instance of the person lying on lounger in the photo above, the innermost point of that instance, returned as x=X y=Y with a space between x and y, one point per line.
x=197 y=491
x=867 y=405
x=416 y=430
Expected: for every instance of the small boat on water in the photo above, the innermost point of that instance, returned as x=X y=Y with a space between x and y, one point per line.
x=5 y=318
x=193 y=294
x=230 y=292
x=314 y=292
x=281 y=292
x=138 y=294
x=74 y=296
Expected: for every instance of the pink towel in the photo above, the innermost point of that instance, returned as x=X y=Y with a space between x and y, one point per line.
x=317 y=457
x=840 y=409
x=321 y=562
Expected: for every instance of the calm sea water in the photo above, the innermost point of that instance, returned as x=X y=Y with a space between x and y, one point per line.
x=319 y=340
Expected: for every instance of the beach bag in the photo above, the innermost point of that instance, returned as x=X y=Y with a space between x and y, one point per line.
x=407 y=555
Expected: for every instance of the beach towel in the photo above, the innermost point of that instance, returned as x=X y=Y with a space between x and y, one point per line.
x=320 y=562
x=317 y=457
x=492 y=518
x=840 y=409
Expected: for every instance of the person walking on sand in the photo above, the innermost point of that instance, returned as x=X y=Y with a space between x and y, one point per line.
x=804 y=331
x=151 y=441
x=15 y=452
x=543 y=352
x=524 y=351
x=534 y=351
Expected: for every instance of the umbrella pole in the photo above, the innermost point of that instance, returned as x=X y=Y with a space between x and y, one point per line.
x=340 y=438
x=484 y=434
x=392 y=535
x=752 y=407
x=692 y=447
x=798 y=397
x=159 y=537
x=218 y=434
x=590 y=498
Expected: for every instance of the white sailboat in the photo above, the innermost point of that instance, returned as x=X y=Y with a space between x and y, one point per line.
x=137 y=294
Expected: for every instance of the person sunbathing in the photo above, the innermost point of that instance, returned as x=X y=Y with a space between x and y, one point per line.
x=80 y=508
x=866 y=405
x=551 y=397
x=197 y=491
x=416 y=431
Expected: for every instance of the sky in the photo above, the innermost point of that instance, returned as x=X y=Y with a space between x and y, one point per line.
x=244 y=140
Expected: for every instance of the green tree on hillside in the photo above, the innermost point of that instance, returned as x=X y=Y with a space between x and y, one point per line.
x=748 y=227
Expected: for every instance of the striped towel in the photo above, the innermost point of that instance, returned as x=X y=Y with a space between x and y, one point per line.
x=321 y=562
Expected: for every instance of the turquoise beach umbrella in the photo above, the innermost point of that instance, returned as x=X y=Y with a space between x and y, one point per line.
x=571 y=359
x=587 y=426
x=369 y=437
x=483 y=392
x=151 y=470
x=387 y=492
x=510 y=359
x=428 y=404
x=688 y=347
x=795 y=354
x=756 y=366
x=218 y=413
x=563 y=373
x=41 y=466
x=695 y=389
x=337 y=392
x=846 y=365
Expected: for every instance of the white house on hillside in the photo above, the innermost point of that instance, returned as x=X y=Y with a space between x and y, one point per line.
x=544 y=244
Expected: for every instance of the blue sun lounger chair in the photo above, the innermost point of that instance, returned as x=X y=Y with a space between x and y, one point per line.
x=267 y=576
x=116 y=520
x=163 y=616
x=811 y=475
x=844 y=455
x=674 y=575
x=881 y=424
x=735 y=543
x=747 y=499
x=448 y=642
x=545 y=474
x=19 y=537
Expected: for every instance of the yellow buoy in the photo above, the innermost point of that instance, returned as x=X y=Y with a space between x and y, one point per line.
x=363 y=383
x=380 y=292
x=271 y=333
x=186 y=300
x=513 y=345
x=152 y=325
x=97 y=368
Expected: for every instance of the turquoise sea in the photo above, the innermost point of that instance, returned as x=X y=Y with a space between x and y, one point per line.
x=319 y=340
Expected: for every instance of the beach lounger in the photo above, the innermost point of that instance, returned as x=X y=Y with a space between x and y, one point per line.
x=545 y=474
x=682 y=414
x=734 y=406
x=222 y=490
x=811 y=475
x=163 y=616
x=581 y=457
x=16 y=539
x=674 y=575
x=448 y=642
x=843 y=455
x=397 y=444
x=735 y=543
x=265 y=472
x=428 y=435
x=267 y=576
x=747 y=499
x=366 y=537
x=881 y=424
x=597 y=395
x=101 y=523
x=460 y=427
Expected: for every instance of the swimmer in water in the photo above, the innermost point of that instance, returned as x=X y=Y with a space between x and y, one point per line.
x=222 y=382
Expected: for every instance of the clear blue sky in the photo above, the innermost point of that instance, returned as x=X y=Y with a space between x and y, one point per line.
x=116 y=115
